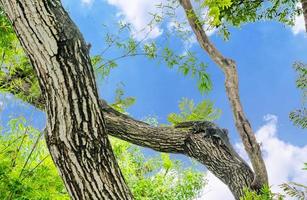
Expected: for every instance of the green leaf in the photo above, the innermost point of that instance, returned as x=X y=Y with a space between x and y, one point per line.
x=204 y=111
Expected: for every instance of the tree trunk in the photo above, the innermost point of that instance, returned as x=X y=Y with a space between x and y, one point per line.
x=304 y=8
x=232 y=88
x=76 y=134
x=75 y=131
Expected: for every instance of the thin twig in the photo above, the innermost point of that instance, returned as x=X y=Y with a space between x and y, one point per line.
x=3 y=150
x=32 y=150
x=35 y=167
x=19 y=147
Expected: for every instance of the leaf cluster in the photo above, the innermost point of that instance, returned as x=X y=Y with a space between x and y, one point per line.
x=238 y=12
x=121 y=103
x=264 y=194
x=156 y=178
x=27 y=170
x=204 y=111
x=299 y=191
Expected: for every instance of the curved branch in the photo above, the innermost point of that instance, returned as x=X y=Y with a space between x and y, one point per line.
x=206 y=145
x=212 y=152
x=229 y=68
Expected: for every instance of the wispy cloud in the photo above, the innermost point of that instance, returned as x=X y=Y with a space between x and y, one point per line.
x=299 y=25
x=138 y=14
x=284 y=162
x=87 y=2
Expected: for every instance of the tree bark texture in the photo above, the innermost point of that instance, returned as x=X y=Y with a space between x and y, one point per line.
x=75 y=132
x=78 y=121
x=229 y=68
x=216 y=156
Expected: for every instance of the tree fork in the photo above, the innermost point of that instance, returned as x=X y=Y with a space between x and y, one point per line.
x=219 y=159
x=229 y=68
x=76 y=134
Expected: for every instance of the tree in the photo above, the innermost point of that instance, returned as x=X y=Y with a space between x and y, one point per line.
x=235 y=13
x=228 y=66
x=28 y=172
x=78 y=121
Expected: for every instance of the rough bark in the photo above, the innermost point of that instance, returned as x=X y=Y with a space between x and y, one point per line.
x=76 y=136
x=75 y=132
x=304 y=8
x=218 y=157
x=229 y=68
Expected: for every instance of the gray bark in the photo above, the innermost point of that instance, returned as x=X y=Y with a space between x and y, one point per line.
x=78 y=121
x=229 y=68
x=75 y=132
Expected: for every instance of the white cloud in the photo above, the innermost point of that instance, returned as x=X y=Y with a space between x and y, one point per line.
x=299 y=25
x=284 y=162
x=87 y=2
x=180 y=24
x=137 y=13
x=215 y=189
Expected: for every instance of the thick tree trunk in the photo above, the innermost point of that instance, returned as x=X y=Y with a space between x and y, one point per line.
x=75 y=135
x=211 y=152
x=231 y=83
x=304 y=8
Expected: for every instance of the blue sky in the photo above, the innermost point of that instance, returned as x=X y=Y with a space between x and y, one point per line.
x=263 y=51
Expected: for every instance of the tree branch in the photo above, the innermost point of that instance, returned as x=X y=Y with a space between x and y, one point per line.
x=67 y=84
x=231 y=83
x=212 y=152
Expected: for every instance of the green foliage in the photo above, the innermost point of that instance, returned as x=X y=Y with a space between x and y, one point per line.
x=221 y=14
x=7 y=35
x=204 y=111
x=250 y=11
x=264 y=194
x=27 y=170
x=292 y=189
x=157 y=178
x=16 y=74
x=299 y=116
x=121 y=104
x=188 y=64
x=150 y=50
x=224 y=13
x=101 y=67
x=299 y=191
x=215 y=7
x=296 y=190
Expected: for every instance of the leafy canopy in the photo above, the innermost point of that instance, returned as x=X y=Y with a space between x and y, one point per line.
x=27 y=170
x=222 y=14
